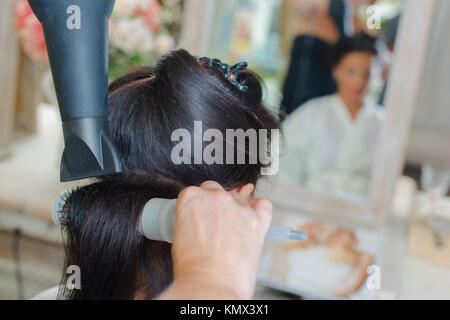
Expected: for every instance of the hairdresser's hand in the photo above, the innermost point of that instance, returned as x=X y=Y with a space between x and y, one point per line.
x=218 y=241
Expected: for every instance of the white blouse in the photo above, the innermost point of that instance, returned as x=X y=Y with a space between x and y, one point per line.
x=325 y=149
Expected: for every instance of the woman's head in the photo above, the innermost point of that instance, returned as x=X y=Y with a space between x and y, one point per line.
x=351 y=61
x=145 y=108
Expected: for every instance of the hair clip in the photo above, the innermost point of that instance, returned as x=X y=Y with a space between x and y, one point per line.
x=230 y=73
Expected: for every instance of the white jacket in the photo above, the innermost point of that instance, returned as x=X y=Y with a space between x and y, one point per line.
x=325 y=149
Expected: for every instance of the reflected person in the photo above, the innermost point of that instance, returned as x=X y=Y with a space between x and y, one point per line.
x=330 y=141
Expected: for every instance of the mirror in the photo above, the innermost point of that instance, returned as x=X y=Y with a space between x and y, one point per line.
x=331 y=91
x=337 y=69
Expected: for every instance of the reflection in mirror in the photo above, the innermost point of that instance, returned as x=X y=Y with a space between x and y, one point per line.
x=333 y=261
x=330 y=139
x=325 y=65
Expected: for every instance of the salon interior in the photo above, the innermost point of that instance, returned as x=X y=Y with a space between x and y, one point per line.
x=361 y=87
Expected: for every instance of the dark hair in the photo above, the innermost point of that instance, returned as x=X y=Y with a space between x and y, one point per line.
x=145 y=107
x=361 y=42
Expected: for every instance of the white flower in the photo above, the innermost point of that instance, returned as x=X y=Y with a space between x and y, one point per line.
x=143 y=4
x=126 y=8
x=131 y=35
x=164 y=43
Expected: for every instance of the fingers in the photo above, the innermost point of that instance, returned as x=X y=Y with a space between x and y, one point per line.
x=239 y=198
x=263 y=209
x=211 y=185
x=262 y=206
x=247 y=190
x=192 y=192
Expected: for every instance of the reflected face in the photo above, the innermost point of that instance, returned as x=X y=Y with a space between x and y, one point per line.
x=353 y=74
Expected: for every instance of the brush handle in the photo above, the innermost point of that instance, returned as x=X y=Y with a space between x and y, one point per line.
x=158 y=223
x=158 y=219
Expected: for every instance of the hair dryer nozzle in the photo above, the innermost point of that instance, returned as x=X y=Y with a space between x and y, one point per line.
x=89 y=152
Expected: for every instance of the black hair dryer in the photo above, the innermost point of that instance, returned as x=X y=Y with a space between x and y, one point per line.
x=76 y=34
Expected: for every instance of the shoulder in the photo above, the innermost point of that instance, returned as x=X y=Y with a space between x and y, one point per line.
x=308 y=110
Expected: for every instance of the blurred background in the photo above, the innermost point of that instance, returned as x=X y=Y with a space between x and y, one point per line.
x=288 y=43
